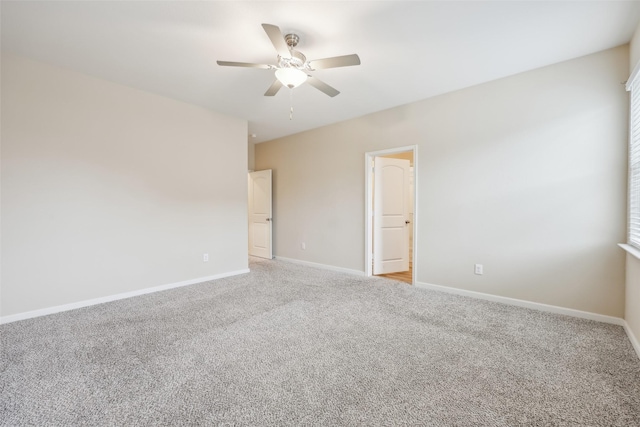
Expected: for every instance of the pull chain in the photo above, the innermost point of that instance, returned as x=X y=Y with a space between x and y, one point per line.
x=291 y=104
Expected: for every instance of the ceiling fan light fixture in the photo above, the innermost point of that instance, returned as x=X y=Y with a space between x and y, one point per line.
x=292 y=66
x=291 y=77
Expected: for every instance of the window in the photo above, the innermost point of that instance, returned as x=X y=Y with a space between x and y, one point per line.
x=634 y=161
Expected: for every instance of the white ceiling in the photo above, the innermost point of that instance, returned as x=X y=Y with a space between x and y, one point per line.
x=410 y=50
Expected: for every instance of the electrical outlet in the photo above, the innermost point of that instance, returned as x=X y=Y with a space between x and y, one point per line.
x=303 y=246
x=478 y=269
x=205 y=257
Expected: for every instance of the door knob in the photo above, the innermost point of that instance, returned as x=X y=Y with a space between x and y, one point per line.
x=268 y=219
x=407 y=222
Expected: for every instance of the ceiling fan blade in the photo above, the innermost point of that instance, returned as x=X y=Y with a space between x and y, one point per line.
x=274 y=88
x=322 y=86
x=335 y=62
x=277 y=39
x=245 y=64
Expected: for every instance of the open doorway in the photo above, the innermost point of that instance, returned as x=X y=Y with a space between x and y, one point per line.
x=391 y=201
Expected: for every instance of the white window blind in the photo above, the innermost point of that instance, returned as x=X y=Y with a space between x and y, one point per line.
x=634 y=162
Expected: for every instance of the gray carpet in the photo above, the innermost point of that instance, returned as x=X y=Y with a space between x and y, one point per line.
x=292 y=345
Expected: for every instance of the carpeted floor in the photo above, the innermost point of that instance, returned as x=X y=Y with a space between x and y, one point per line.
x=293 y=345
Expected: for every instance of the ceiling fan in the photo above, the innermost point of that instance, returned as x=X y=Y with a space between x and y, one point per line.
x=293 y=67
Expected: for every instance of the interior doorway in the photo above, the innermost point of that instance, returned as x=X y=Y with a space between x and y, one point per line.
x=391 y=204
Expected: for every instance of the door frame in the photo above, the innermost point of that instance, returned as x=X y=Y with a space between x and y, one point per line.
x=368 y=216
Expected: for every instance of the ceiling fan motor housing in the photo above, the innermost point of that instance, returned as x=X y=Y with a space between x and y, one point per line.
x=297 y=60
x=292 y=40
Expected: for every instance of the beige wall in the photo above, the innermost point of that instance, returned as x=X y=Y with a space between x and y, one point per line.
x=525 y=175
x=107 y=189
x=251 y=156
x=634 y=49
x=632 y=300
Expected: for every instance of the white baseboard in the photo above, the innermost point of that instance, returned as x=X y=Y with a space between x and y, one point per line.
x=540 y=307
x=322 y=266
x=101 y=300
x=527 y=304
x=634 y=340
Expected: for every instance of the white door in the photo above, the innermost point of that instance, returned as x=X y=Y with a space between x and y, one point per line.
x=260 y=214
x=391 y=221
